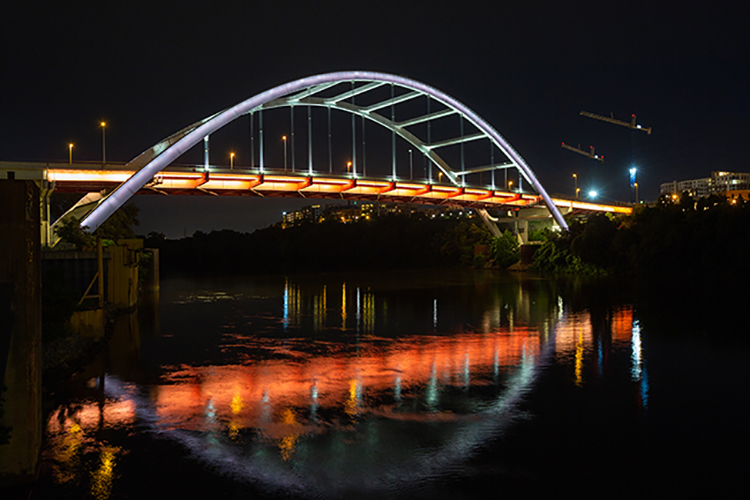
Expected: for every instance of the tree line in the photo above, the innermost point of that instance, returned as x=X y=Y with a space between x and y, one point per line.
x=387 y=242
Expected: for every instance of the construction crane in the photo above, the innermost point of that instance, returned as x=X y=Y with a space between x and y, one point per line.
x=591 y=154
x=611 y=119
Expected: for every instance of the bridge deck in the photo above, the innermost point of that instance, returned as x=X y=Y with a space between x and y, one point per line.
x=177 y=180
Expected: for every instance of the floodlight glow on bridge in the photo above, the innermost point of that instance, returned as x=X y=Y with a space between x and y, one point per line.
x=189 y=181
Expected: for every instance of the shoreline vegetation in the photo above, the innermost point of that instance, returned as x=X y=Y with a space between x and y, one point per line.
x=701 y=241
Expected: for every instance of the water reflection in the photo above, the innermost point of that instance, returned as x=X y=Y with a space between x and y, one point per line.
x=400 y=402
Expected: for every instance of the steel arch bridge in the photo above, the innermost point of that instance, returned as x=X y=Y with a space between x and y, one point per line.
x=311 y=91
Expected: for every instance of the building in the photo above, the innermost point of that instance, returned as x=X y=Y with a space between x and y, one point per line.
x=718 y=183
x=310 y=213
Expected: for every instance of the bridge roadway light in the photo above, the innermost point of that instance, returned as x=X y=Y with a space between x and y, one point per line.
x=231 y=161
x=283 y=138
x=636 y=193
x=70 y=153
x=575 y=179
x=104 y=144
x=411 y=167
x=348 y=166
x=510 y=185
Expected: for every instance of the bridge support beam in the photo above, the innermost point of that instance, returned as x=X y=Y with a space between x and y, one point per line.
x=490 y=222
x=20 y=330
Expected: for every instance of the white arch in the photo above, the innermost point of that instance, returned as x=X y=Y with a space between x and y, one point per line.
x=195 y=133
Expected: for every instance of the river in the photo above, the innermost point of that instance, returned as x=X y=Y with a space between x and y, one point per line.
x=418 y=384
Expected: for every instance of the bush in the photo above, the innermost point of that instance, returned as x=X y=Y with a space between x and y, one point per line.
x=553 y=257
x=505 y=250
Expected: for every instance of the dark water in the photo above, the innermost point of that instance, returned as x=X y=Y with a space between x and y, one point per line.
x=426 y=384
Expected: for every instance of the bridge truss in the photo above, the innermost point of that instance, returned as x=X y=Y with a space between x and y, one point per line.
x=359 y=93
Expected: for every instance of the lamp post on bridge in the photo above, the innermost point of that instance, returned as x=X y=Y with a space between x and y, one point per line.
x=104 y=144
x=575 y=180
x=231 y=161
x=283 y=138
x=70 y=153
x=411 y=167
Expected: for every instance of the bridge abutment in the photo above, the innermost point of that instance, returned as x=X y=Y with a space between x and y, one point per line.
x=21 y=332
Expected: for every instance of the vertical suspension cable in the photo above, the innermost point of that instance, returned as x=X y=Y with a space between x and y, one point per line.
x=292 y=133
x=393 y=134
x=364 y=161
x=492 y=163
x=429 y=136
x=252 y=143
x=309 y=140
x=205 y=153
x=260 y=126
x=463 y=163
x=330 y=151
x=354 y=140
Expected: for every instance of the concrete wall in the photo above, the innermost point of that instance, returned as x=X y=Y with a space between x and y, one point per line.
x=20 y=276
x=122 y=284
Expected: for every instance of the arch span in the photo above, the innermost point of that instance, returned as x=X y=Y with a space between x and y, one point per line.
x=302 y=91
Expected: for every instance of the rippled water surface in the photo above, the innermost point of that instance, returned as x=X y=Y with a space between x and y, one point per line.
x=413 y=384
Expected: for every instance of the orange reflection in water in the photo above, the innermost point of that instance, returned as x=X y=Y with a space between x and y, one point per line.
x=264 y=395
x=622 y=325
x=71 y=433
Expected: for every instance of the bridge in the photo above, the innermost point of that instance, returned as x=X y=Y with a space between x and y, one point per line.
x=95 y=180
x=461 y=154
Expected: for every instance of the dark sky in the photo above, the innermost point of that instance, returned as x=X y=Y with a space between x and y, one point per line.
x=528 y=68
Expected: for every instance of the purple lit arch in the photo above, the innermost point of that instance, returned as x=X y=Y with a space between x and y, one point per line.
x=152 y=161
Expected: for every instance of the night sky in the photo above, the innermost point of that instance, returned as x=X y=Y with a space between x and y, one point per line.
x=150 y=68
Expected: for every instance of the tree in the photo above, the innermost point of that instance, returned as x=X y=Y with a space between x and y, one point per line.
x=116 y=227
x=505 y=249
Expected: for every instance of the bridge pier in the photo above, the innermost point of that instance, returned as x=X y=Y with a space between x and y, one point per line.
x=20 y=332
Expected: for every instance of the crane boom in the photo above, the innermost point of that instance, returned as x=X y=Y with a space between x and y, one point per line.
x=611 y=119
x=591 y=154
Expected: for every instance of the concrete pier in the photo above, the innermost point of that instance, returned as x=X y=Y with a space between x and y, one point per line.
x=21 y=333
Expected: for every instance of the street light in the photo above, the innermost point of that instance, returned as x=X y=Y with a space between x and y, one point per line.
x=440 y=177
x=411 y=167
x=70 y=153
x=231 y=161
x=283 y=138
x=636 y=193
x=104 y=144
x=348 y=166
x=575 y=178
x=510 y=185
x=593 y=194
